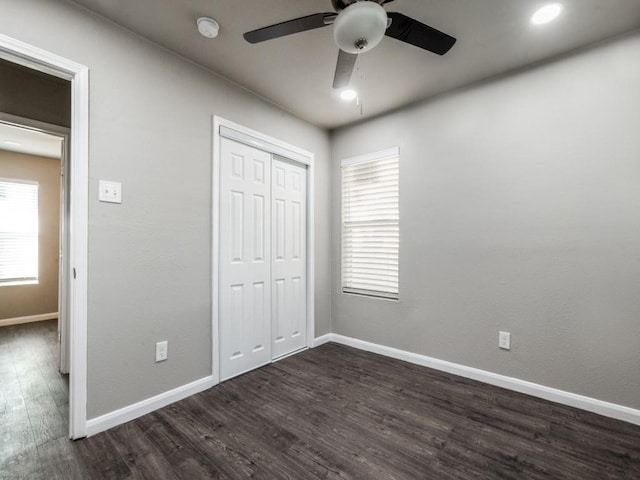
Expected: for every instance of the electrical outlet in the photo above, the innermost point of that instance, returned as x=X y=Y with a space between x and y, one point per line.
x=162 y=351
x=504 y=340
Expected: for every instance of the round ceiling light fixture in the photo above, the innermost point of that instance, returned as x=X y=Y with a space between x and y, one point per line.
x=547 y=13
x=348 y=94
x=360 y=27
x=208 y=27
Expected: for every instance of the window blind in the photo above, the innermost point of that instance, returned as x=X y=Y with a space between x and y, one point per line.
x=370 y=225
x=18 y=231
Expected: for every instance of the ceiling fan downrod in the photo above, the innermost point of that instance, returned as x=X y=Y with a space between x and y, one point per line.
x=339 y=5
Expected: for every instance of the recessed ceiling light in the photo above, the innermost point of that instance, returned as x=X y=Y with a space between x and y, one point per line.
x=208 y=27
x=348 y=94
x=12 y=143
x=546 y=13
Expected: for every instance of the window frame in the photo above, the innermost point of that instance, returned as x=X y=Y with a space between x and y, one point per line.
x=368 y=158
x=10 y=282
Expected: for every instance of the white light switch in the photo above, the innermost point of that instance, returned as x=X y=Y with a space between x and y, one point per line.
x=110 y=191
x=162 y=351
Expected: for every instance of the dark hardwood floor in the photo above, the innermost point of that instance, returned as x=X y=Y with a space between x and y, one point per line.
x=339 y=413
x=34 y=404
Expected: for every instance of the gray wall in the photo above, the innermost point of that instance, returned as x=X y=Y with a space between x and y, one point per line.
x=520 y=211
x=149 y=258
x=25 y=300
x=36 y=95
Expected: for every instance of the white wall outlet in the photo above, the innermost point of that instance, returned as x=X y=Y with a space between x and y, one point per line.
x=162 y=351
x=110 y=191
x=504 y=340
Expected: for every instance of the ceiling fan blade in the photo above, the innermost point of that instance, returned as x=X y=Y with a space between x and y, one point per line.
x=302 y=24
x=344 y=69
x=408 y=30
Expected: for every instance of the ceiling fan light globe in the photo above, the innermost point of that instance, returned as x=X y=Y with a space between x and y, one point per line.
x=360 y=27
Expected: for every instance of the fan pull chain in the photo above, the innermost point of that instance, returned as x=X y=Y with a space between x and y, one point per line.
x=360 y=76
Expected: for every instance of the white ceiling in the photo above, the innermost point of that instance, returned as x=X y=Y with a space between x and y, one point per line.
x=296 y=72
x=23 y=140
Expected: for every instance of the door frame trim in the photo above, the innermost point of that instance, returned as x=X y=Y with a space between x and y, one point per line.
x=275 y=146
x=35 y=58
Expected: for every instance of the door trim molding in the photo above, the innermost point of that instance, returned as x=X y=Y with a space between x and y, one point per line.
x=37 y=59
x=223 y=128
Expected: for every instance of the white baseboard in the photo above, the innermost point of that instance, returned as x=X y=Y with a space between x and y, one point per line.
x=322 y=340
x=589 y=404
x=131 y=412
x=31 y=318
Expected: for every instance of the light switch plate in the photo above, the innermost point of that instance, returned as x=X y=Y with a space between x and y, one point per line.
x=110 y=191
x=162 y=351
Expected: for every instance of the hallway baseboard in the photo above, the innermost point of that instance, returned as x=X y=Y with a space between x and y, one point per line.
x=28 y=319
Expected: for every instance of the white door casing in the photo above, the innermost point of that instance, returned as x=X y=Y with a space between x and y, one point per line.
x=289 y=214
x=64 y=278
x=245 y=270
x=37 y=59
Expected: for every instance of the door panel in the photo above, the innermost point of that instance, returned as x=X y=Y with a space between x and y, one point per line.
x=289 y=263
x=245 y=252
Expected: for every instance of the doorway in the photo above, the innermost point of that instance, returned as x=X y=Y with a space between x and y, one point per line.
x=23 y=54
x=262 y=250
x=35 y=254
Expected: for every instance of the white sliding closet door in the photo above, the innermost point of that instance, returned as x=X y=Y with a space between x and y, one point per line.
x=245 y=258
x=263 y=258
x=289 y=260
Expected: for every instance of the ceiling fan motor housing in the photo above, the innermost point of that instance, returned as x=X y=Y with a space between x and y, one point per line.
x=339 y=5
x=360 y=27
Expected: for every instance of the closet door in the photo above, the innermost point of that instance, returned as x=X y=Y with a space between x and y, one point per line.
x=289 y=259
x=245 y=259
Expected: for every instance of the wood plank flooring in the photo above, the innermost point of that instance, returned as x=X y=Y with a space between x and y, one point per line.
x=339 y=413
x=34 y=404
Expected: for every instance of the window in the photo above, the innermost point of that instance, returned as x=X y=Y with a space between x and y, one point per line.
x=18 y=232
x=370 y=224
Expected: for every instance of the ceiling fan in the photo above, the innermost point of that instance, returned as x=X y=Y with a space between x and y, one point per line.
x=358 y=26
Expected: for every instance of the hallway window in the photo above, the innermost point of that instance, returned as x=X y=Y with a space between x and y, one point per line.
x=371 y=224
x=18 y=232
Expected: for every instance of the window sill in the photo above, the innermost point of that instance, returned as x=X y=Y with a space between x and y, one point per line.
x=377 y=296
x=17 y=283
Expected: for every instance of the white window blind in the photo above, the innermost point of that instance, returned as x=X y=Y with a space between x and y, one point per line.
x=18 y=231
x=370 y=224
